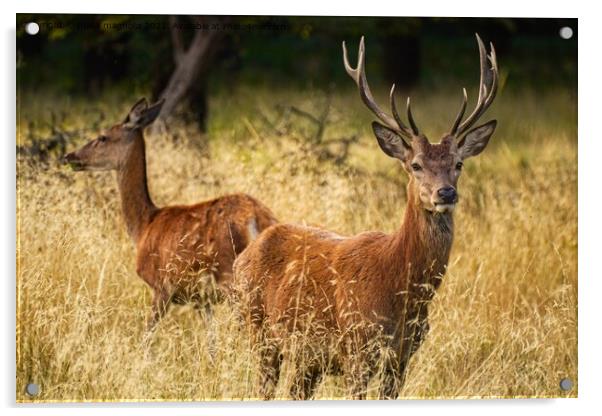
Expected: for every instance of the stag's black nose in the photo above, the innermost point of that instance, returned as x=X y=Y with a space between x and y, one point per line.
x=448 y=195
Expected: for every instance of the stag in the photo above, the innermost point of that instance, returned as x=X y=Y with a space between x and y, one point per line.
x=184 y=253
x=339 y=294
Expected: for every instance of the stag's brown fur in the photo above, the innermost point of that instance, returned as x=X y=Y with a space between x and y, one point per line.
x=362 y=287
x=354 y=301
x=184 y=253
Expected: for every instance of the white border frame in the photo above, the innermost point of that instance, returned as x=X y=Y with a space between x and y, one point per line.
x=589 y=199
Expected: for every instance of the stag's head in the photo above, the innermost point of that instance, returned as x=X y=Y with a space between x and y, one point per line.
x=111 y=149
x=434 y=168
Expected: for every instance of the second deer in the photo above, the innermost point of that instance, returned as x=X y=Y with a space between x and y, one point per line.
x=184 y=253
x=339 y=294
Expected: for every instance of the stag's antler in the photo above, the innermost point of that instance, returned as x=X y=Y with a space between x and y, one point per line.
x=487 y=91
x=359 y=76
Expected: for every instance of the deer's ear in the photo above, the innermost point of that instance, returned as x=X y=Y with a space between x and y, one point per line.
x=391 y=142
x=136 y=110
x=150 y=114
x=475 y=141
x=142 y=115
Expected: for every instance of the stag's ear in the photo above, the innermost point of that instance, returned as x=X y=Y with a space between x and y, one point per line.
x=475 y=141
x=142 y=115
x=391 y=142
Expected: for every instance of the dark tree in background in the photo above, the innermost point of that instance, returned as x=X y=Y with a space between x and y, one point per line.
x=188 y=81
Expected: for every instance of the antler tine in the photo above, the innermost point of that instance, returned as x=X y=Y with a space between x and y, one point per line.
x=394 y=110
x=487 y=88
x=411 y=119
x=494 y=75
x=460 y=113
x=359 y=76
x=482 y=87
x=493 y=84
x=353 y=73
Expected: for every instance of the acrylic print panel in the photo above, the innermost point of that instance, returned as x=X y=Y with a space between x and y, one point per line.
x=220 y=208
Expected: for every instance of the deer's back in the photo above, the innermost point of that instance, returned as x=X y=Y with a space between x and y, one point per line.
x=182 y=242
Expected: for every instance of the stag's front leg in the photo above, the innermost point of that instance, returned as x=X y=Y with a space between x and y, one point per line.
x=305 y=383
x=308 y=374
x=421 y=329
x=205 y=311
x=271 y=360
x=161 y=301
x=357 y=373
x=393 y=376
x=396 y=366
x=357 y=381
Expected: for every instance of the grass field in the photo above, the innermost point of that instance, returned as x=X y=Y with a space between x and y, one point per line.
x=503 y=323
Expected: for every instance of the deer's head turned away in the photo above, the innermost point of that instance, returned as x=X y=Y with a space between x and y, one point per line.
x=113 y=147
x=183 y=252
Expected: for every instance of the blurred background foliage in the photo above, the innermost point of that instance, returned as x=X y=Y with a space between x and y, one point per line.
x=85 y=54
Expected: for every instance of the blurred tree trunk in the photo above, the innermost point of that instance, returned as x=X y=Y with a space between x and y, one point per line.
x=188 y=81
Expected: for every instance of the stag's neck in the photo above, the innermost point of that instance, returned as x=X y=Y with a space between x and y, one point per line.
x=422 y=245
x=136 y=203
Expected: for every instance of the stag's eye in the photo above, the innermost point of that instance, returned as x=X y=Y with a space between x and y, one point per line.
x=416 y=167
x=459 y=165
x=103 y=139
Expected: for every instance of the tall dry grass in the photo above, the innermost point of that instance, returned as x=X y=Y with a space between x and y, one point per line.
x=503 y=323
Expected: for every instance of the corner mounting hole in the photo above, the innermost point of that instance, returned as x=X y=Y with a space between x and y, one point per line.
x=566 y=32
x=32 y=28
x=32 y=389
x=566 y=384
